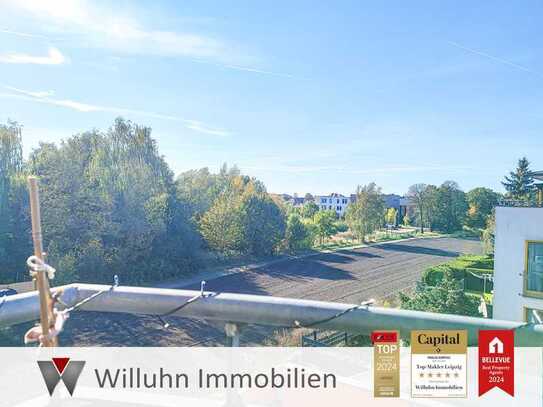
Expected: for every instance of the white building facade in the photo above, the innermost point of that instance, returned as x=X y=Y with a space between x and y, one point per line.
x=518 y=267
x=334 y=202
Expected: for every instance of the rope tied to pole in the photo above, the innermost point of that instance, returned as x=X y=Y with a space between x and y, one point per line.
x=197 y=297
x=93 y=296
x=365 y=304
x=37 y=265
x=35 y=334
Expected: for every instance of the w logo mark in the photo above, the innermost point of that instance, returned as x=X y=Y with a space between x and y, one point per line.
x=61 y=369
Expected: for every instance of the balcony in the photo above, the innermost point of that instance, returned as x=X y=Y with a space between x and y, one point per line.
x=519 y=203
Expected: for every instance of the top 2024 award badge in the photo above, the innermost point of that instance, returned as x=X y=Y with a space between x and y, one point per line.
x=386 y=363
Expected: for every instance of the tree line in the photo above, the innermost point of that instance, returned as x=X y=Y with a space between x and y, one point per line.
x=448 y=209
x=111 y=205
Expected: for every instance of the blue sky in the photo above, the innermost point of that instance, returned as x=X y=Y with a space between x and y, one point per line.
x=307 y=96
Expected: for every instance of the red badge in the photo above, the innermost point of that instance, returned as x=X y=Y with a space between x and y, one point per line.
x=384 y=336
x=497 y=361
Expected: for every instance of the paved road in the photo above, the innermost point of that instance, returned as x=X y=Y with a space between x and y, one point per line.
x=349 y=276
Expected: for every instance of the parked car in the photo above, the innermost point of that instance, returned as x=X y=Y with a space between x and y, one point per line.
x=7 y=291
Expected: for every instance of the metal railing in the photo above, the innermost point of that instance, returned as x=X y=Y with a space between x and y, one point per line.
x=519 y=203
x=236 y=310
x=323 y=339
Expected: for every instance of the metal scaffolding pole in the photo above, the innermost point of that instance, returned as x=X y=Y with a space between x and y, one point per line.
x=262 y=310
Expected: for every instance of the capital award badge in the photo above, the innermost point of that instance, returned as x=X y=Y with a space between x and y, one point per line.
x=438 y=363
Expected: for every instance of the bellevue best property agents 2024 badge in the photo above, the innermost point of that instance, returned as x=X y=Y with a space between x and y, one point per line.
x=439 y=363
x=497 y=361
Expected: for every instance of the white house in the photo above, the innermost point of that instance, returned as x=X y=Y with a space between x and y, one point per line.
x=518 y=268
x=335 y=202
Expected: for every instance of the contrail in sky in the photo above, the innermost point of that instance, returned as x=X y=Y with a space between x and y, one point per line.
x=497 y=59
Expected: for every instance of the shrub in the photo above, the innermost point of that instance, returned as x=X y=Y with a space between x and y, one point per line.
x=459 y=267
x=341 y=226
x=446 y=297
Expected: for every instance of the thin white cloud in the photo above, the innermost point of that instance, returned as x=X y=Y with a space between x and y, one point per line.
x=495 y=58
x=110 y=29
x=113 y=29
x=80 y=107
x=203 y=128
x=250 y=69
x=39 y=94
x=260 y=71
x=71 y=104
x=45 y=97
x=54 y=57
x=23 y=34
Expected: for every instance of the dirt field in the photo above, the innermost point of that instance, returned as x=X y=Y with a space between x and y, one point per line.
x=349 y=276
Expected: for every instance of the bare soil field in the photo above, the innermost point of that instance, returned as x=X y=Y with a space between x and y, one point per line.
x=349 y=276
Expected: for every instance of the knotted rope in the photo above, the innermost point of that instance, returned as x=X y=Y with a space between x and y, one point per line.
x=37 y=265
x=35 y=333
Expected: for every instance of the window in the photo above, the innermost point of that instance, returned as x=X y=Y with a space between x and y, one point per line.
x=533 y=316
x=337 y=201
x=323 y=200
x=533 y=274
x=330 y=207
x=338 y=208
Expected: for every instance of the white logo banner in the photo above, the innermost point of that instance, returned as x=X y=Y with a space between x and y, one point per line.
x=107 y=377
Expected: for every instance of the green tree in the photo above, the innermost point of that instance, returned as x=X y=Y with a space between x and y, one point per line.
x=222 y=225
x=520 y=183
x=309 y=209
x=11 y=158
x=450 y=207
x=199 y=188
x=110 y=207
x=489 y=234
x=15 y=245
x=263 y=224
x=446 y=297
x=365 y=215
x=298 y=235
x=324 y=222
x=481 y=202
x=431 y=196
x=243 y=219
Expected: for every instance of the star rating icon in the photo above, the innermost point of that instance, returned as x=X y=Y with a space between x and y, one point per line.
x=438 y=375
